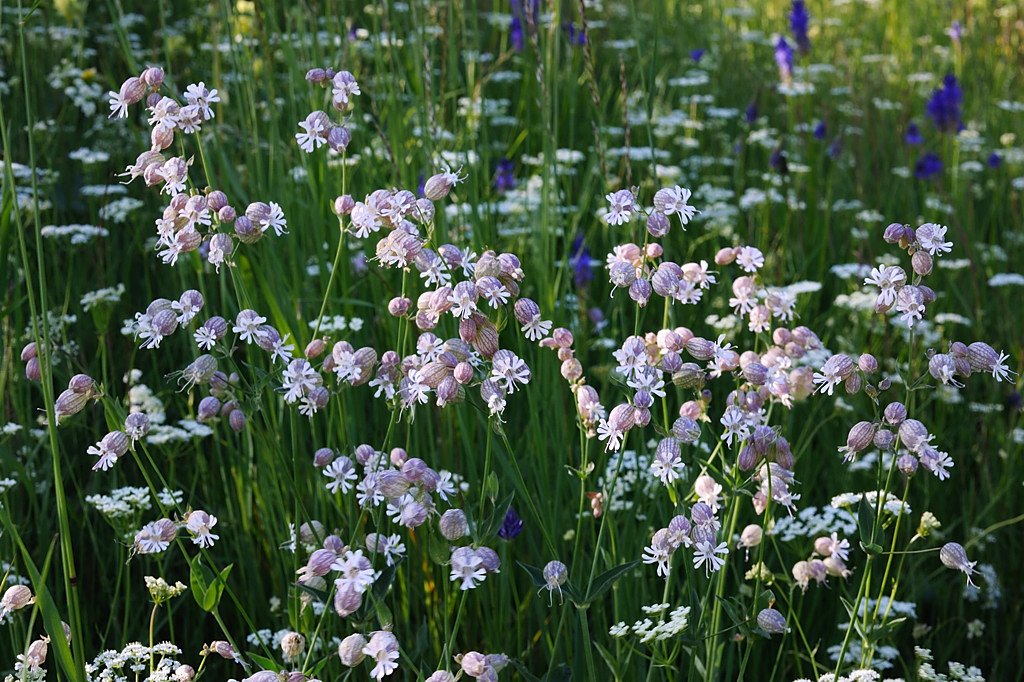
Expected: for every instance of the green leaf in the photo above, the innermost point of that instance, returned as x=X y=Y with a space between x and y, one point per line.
x=603 y=582
x=266 y=663
x=497 y=516
x=48 y=608
x=561 y=673
x=609 y=659
x=207 y=588
x=319 y=595
x=527 y=675
x=866 y=521
x=536 y=574
x=437 y=548
x=384 y=616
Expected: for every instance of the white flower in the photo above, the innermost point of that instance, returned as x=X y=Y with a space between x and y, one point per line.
x=622 y=204
x=356 y=572
x=930 y=236
x=888 y=280
x=247 y=325
x=313 y=136
x=467 y=567
x=705 y=553
x=199 y=524
x=750 y=258
x=536 y=329
x=382 y=648
x=509 y=370
x=197 y=95
x=341 y=472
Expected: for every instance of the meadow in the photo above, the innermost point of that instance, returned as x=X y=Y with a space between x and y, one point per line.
x=639 y=340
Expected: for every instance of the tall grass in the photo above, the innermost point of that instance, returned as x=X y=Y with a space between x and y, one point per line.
x=458 y=86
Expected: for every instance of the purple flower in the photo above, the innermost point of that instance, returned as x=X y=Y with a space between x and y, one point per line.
x=820 y=131
x=697 y=54
x=511 y=526
x=503 y=178
x=784 y=59
x=944 y=106
x=515 y=34
x=928 y=166
x=836 y=148
x=751 y=113
x=995 y=161
x=955 y=31
x=913 y=135
x=798 y=20
x=576 y=35
x=519 y=10
x=581 y=263
x=778 y=162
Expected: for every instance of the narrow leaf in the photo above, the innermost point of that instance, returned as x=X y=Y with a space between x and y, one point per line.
x=603 y=582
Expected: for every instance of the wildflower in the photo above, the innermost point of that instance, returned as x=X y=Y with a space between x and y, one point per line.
x=659 y=552
x=750 y=258
x=132 y=91
x=503 y=178
x=697 y=54
x=314 y=133
x=913 y=134
x=356 y=572
x=155 y=537
x=382 y=648
x=555 y=575
x=113 y=445
x=888 y=279
x=345 y=86
x=672 y=201
x=581 y=262
x=341 y=472
x=706 y=553
x=511 y=526
x=930 y=236
x=784 y=60
x=735 y=425
x=994 y=161
x=197 y=95
x=439 y=185
x=247 y=325
x=798 y=20
x=467 y=566
x=15 y=598
x=622 y=204
x=771 y=621
x=509 y=370
x=199 y=523
x=953 y=556
x=928 y=166
x=944 y=106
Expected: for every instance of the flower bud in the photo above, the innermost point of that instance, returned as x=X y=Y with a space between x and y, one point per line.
x=15 y=598
x=33 y=371
x=907 y=464
x=237 y=420
x=658 y=224
x=772 y=622
x=725 y=256
x=322 y=457
x=454 y=525
x=293 y=644
x=350 y=651
x=68 y=403
x=895 y=413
